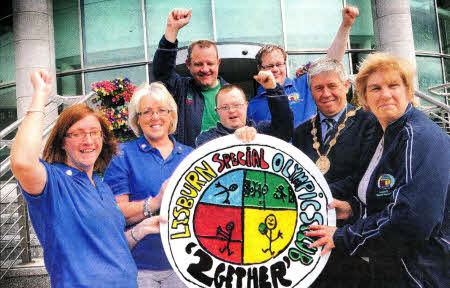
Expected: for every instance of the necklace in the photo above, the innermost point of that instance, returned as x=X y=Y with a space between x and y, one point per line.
x=323 y=162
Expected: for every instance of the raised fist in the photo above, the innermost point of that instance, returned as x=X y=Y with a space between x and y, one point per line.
x=178 y=18
x=349 y=14
x=266 y=79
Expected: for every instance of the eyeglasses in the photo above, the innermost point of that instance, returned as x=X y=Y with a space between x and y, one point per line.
x=271 y=66
x=78 y=135
x=148 y=113
x=228 y=107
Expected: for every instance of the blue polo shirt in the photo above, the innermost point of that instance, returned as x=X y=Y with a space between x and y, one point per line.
x=300 y=101
x=81 y=230
x=139 y=170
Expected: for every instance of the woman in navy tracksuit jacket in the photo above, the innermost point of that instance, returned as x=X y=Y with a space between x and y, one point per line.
x=404 y=227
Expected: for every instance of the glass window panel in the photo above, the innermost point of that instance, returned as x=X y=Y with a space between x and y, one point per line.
x=447 y=69
x=69 y=85
x=429 y=70
x=112 y=31
x=444 y=22
x=200 y=26
x=361 y=34
x=8 y=106
x=7 y=63
x=67 y=35
x=135 y=74
x=424 y=25
x=249 y=21
x=312 y=23
x=296 y=61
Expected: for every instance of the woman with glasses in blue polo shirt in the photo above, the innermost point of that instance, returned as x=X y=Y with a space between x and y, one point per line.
x=139 y=170
x=74 y=214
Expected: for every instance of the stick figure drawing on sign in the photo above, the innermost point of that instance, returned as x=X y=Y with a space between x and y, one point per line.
x=226 y=235
x=266 y=228
x=226 y=190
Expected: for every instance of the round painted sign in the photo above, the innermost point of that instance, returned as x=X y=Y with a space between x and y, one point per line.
x=237 y=213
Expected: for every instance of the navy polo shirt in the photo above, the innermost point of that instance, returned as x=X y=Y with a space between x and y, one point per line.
x=81 y=230
x=300 y=101
x=139 y=170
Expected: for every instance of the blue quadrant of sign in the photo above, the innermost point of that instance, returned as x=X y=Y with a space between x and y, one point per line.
x=231 y=184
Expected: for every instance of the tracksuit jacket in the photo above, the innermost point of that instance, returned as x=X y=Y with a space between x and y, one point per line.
x=187 y=94
x=406 y=231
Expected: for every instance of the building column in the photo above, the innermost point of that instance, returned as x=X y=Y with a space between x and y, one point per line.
x=34 y=48
x=393 y=28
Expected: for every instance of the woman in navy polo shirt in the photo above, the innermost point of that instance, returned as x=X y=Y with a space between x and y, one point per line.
x=74 y=214
x=137 y=173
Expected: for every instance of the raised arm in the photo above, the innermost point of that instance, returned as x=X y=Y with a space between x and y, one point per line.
x=337 y=48
x=282 y=123
x=28 y=141
x=164 y=60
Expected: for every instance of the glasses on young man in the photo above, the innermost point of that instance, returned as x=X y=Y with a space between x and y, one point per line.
x=271 y=66
x=228 y=107
x=78 y=135
x=148 y=113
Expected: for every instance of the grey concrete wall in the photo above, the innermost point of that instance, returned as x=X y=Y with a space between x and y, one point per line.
x=393 y=28
x=34 y=47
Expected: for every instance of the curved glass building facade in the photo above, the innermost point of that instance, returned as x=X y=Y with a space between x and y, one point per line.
x=99 y=40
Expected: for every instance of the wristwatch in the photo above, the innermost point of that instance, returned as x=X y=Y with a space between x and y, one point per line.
x=147 y=211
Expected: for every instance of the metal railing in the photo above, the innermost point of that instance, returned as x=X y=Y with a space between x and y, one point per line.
x=15 y=236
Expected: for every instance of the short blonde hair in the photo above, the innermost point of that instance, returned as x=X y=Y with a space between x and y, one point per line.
x=158 y=91
x=384 y=62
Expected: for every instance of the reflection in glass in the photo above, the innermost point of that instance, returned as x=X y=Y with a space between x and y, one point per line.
x=199 y=27
x=424 y=25
x=135 y=74
x=444 y=22
x=361 y=34
x=8 y=108
x=249 y=21
x=429 y=71
x=7 y=63
x=69 y=85
x=297 y=61
x=112 y=31
x=312 y=23
x=67 y=35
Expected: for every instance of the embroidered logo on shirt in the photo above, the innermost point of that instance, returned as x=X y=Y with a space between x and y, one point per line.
x=294 y=97
x=69 y=172
x=189 y=99
x=385 y=182
x=143 y=146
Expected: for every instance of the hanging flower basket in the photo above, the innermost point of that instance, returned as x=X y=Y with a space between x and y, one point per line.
x=112 y=99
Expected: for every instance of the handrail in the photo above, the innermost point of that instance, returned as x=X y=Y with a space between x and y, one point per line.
x=439 y=86
x=58 y=99
x=430 y=99
x=5 y=165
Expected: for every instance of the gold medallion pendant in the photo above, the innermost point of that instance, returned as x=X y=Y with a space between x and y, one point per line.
x=323 y=163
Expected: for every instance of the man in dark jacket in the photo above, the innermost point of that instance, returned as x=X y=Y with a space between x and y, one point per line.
x=231 y=105
x=195 y=96
x=341 y=140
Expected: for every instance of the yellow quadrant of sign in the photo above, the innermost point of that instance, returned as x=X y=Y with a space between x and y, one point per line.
x=254 y=239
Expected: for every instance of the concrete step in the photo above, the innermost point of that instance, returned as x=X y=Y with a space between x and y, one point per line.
x=29 y=275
